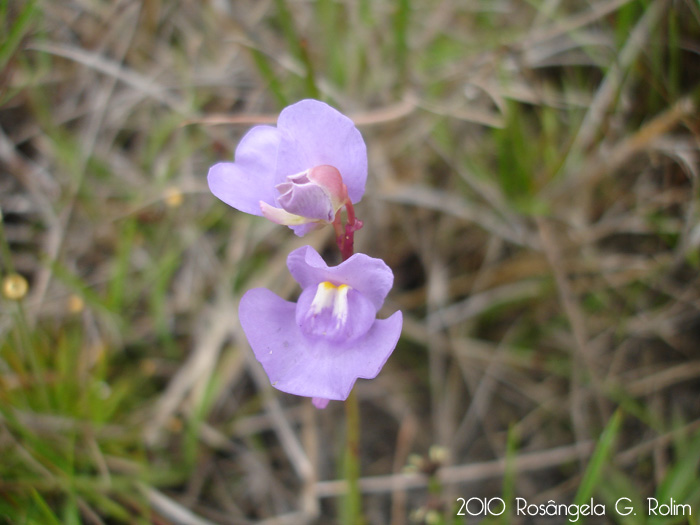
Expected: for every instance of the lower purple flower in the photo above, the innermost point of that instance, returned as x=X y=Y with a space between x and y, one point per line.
x=319 y=346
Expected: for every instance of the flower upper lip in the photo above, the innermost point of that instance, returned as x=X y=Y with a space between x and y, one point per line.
x=370 y=276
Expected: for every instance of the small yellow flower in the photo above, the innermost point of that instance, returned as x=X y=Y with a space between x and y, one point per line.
x=432 y=517
x=438 y=454
x=173 y=197
x=14 y=287
x=75 y=304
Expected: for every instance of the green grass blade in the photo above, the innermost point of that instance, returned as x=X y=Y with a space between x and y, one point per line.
x=20 y=27
x=298 y=47
x=509 y=476
x=265 y=69
x=596 y=466
x=682 y=478
x=351 y=513
x=118 y=283
x=43 y=509
x=401 y=22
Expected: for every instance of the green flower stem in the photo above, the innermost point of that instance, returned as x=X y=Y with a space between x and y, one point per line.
x=352 y=503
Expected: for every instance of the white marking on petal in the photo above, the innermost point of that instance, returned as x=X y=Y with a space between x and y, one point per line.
x=280 y=216
x=329 y=303
x=340 y=305
x=325 y=295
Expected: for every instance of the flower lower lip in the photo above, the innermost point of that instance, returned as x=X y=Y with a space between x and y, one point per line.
x=323 y=365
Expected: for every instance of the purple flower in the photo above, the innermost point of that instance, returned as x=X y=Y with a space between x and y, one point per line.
x=300 y=173
x=319 y=346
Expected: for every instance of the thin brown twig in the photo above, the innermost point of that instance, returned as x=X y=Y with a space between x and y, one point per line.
x=469 y=473
x=171 y=509
x=596 y=12
x=374 y=117
x=599 y=165
x=582 y=358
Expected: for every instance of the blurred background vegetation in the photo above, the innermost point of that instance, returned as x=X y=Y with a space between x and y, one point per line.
x=533 y=184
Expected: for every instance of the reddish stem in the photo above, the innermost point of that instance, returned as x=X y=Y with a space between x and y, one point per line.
x=345 y=237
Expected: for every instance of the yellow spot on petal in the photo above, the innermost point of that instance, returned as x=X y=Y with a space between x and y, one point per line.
x=333 y=297
x=324 y=298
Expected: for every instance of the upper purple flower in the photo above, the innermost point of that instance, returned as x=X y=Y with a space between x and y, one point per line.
x=299 y=173
x=319 y=346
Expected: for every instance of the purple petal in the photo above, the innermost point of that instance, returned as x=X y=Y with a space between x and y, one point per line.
x=313 y=134
x=251 y=178
x=303 y=229
x=311 y=367
x=369 y=276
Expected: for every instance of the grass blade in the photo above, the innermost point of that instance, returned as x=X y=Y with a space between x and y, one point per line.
x=598 y=462
x=16 y=32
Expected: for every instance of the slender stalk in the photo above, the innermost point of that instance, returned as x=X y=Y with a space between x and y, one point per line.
x=345 y=236
x=352 y=503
